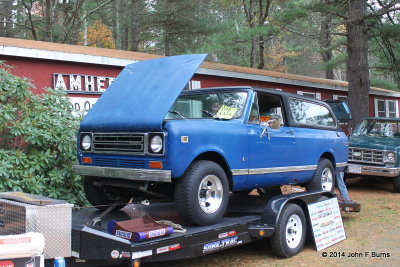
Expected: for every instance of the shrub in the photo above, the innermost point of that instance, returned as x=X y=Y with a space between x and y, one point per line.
x=37 y=141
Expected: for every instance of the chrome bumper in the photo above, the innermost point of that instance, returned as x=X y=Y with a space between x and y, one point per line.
x=372 y=170
x=124 y=173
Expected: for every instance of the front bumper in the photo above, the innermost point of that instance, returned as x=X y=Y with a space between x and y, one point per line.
x=124 y=173
x=372 y=170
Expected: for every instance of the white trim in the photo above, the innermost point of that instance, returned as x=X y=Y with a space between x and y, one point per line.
x=386 y=105
x=63 y=56
x=318 y=96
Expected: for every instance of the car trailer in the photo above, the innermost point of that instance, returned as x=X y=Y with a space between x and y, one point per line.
x=283 y=218
x=249 y=218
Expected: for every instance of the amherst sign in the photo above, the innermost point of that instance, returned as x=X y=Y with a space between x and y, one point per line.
x=81 y=84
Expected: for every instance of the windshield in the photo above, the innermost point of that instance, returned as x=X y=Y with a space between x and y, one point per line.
x=217 y=105
x=378 y=128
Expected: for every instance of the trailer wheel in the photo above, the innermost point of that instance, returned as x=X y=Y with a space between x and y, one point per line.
x=202 y=193
x=290 y=233
x=323 y=178
x=102 y=196
x=396 y=184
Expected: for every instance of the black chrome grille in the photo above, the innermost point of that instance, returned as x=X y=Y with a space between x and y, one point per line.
x=363 y=155
x=119 y=142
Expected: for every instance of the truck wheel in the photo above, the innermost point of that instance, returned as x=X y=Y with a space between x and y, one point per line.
x=202 y=193
x=396 y=184
x=102 y=196
x=290 y=232
x=323 y=178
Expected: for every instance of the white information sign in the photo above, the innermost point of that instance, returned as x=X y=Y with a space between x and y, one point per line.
x=81 y=105
x=326 y=222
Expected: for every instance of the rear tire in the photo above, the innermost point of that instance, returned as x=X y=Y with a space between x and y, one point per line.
x=396 y=184
x=202 y=193
x=101 y=197
x=290 y=232
x=323 y=178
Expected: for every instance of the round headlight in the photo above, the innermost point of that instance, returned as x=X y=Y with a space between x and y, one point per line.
x=86 y=142
x=156 y=144
x=390 y=156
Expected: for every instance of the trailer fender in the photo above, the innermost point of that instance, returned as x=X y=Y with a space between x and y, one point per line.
x=273 y=208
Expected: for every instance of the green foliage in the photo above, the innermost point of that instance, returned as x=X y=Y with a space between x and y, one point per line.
x=384 y=84
x=37 y=141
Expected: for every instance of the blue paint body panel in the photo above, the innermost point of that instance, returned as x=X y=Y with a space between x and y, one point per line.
x=141 y=95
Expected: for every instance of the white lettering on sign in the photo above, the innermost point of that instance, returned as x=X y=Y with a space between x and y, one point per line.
x=81 y=105
x=77 y=83
x=155 y=233
x=89 y=83
x=60 y=84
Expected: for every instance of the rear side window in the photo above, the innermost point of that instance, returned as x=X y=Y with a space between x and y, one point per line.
x=312 y=114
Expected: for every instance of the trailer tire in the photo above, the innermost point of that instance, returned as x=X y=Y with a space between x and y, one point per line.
x=290 y=232
x=323 y=178
x=396 y=184
x=101 y=197
x=202 y=193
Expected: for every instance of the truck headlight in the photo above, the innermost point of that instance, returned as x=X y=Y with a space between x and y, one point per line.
x=156 y=144
x=86 y=142
x=390 y=157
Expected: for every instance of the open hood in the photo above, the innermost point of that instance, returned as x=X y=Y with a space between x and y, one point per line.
x=142 y=94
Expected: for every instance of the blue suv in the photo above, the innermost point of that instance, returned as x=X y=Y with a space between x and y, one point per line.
x=145 y=138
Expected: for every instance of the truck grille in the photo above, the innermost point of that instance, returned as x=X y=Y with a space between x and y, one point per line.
x=363 y=155
x=119 y=142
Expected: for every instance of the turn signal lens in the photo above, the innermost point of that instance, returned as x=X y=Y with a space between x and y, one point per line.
x=261 y=232
x=87 y=160
x=155 y=164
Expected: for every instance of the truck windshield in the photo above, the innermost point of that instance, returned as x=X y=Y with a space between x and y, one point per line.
x=378 y=128
x=217 y=105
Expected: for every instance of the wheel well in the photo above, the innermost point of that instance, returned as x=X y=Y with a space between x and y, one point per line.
x=329 y=156
x=220 y=160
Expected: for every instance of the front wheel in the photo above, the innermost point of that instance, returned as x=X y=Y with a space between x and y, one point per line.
x=202 y=193
x=290 y=232
x=324 y=178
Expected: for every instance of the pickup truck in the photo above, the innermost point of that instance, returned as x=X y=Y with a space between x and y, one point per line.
x=145 y=138
x=375 y=149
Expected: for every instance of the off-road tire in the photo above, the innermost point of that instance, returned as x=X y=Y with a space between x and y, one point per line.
x=188 y=193
x=324 y=169
x=101 y=197
x=284 y=242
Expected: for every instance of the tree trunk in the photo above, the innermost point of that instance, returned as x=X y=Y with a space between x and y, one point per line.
x=357 y=71
x=134 y=25
x=6 y=11
x=325 y=38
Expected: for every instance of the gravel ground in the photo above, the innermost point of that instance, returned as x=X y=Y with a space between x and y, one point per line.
x=372 y=237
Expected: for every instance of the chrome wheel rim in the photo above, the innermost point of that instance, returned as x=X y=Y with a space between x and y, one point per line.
x=210 y=194
x=327 y=179
x=294 y=231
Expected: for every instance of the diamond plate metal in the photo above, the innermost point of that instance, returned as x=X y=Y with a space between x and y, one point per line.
x=53 y=221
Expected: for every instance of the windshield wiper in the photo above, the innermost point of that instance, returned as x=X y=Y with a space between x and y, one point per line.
x=177 y=112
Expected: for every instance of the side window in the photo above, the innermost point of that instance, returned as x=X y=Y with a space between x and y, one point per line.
x=305 y=112
x=269 y=104
x=254 y=117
